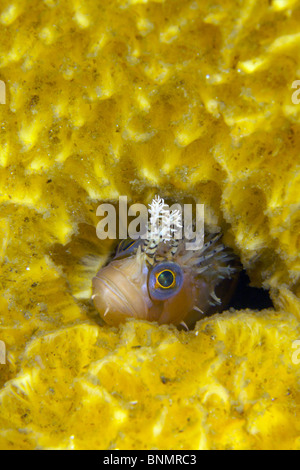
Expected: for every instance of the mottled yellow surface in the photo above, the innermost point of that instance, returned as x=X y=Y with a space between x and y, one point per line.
x=190 y=99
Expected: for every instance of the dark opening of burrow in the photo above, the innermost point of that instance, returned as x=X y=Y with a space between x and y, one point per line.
x=246 y=296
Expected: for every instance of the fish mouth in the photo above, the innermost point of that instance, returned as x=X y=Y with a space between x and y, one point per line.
x=116 y=298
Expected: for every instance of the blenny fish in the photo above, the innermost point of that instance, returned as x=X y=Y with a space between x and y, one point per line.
x=158 y=279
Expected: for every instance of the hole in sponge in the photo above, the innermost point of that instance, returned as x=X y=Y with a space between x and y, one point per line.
x=246 y=296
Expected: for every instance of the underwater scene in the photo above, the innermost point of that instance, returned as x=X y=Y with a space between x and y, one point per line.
x=150 y=225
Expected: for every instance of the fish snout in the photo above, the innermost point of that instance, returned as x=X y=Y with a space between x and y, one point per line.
x=116 y=297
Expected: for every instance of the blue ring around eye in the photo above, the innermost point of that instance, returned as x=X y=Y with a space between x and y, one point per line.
x=126 y=247
x=125 y=244
x=173 y=282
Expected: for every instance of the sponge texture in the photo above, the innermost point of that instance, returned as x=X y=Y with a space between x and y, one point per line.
x=191 y=100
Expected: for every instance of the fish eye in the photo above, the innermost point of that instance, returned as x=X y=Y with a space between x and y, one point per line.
x=126 y=247
x=126 y=244
x=165 y=280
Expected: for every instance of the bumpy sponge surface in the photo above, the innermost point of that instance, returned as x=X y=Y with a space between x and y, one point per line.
x=191 y=100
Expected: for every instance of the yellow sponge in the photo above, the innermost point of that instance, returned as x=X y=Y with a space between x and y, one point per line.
x=191 y=100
